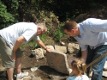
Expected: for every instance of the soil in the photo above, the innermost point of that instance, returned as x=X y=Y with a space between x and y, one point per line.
x=44 y=71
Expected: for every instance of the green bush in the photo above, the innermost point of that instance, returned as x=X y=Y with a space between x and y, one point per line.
x=5 y=17
x=58 y=33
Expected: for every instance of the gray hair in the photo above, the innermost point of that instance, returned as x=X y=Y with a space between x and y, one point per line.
x=42 y=26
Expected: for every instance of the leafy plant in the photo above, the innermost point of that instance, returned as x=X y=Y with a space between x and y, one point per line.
x=58 y=34
x=5 y=17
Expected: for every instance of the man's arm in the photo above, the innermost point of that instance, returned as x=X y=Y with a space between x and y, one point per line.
x=84 y=55
x=42 y=45
x=19 y=41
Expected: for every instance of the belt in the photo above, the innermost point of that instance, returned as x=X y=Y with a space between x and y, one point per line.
x=94 y=47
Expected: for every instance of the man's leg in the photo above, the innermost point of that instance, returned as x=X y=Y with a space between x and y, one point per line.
x=18 y=65
x=6 y=53
x=98 y=67
x=10 y=73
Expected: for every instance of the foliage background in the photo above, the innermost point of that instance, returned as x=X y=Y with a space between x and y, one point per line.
x=53 y=12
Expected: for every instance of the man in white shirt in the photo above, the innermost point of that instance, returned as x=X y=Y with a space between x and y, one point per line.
x=11 y=39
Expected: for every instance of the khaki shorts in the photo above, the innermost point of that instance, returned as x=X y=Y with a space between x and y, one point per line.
x=6 y=54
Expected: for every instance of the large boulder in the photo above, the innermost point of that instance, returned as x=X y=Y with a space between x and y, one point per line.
x=58 y=61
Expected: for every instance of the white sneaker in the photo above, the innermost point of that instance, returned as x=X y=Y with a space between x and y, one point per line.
x=21 y=75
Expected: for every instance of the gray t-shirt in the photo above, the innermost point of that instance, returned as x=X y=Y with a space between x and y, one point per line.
x=26 y=29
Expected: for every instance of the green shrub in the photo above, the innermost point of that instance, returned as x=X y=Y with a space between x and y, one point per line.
x=58 y=33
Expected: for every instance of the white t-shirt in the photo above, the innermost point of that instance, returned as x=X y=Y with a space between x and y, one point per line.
x=83 y=77
x=26 y=29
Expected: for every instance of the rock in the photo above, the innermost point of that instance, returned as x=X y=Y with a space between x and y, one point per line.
x=105 y=66
x=33 y=77
x=38 y=53
x=62 y=49
x=62 y=43
x=55 y=77
x=58 y=61
x=33 y=69
x=37 y=78
x=27 y=78
x=50 y=47
x=104 y=74
x=72 y=48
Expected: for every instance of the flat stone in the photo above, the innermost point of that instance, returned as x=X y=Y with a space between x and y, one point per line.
x=105 y=66
x=33 y=77
x=37 y=78
x=38 y=53
x=20 y=79
x=33 y=69
x=72 y=48
x=50 y=47
x=62 y=49
x=57 y=77
x=27 y=78
x=104 y=74
x=58 y=61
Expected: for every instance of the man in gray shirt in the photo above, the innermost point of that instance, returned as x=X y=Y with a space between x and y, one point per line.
x=91 y=33
x=12 y=37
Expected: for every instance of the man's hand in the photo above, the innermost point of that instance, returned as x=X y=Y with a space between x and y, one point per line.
x=84 y=55
x=48 y=49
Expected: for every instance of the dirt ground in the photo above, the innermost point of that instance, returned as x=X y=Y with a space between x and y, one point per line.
x=44 y=72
